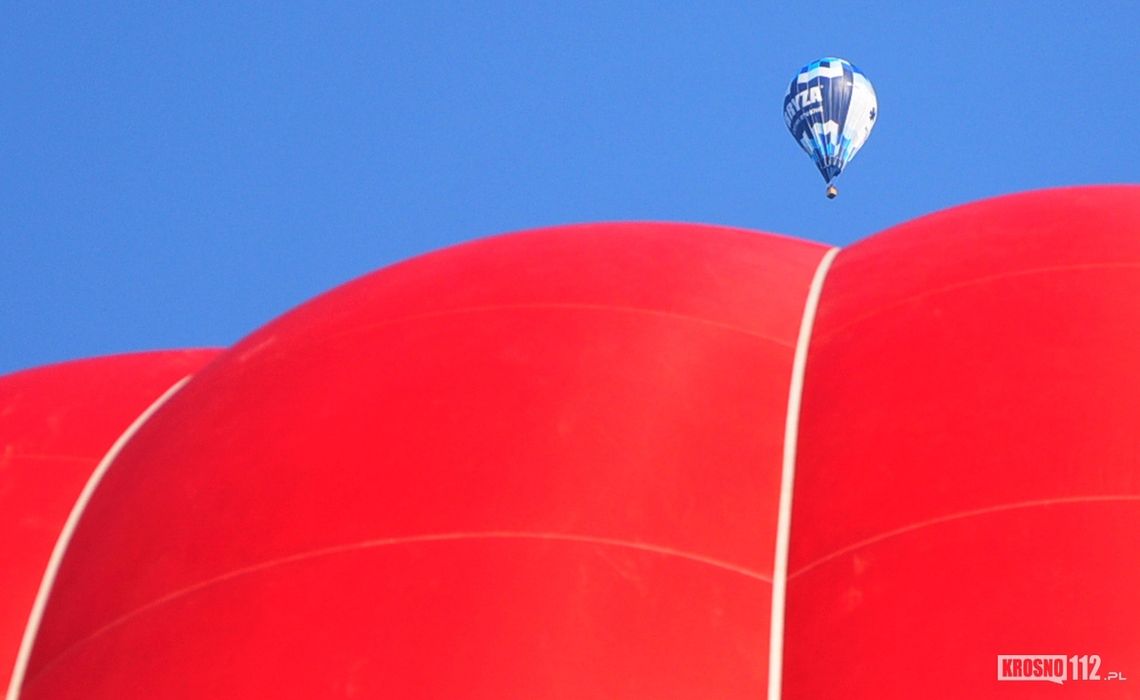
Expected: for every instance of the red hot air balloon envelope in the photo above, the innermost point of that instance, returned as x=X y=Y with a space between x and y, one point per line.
x=56 y=423
x=540 y=465
x=968 y=481
x=559 y=464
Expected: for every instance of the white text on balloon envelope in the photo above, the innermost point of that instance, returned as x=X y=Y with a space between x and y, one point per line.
x=802 y=99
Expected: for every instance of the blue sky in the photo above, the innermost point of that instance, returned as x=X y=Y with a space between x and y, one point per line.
x=176 y=175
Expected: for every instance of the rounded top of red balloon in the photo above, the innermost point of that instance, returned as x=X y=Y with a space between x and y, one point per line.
x=557 y=463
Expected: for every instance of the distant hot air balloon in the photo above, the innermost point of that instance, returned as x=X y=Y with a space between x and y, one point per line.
x=830 y=108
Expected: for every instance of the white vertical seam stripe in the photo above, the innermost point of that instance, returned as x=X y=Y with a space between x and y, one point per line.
x=787 y=478
x=35 y=617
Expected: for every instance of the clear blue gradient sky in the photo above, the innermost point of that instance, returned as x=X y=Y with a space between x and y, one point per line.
x=176 y=175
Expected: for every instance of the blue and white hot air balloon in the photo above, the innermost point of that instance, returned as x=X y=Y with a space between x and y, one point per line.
x=830 y=109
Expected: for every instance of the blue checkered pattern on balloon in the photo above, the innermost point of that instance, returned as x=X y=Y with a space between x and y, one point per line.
x=830 y=109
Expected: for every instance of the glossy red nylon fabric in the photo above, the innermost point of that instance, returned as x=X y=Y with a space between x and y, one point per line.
x=968 y=481
x=539 y=465
x=56 y=423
